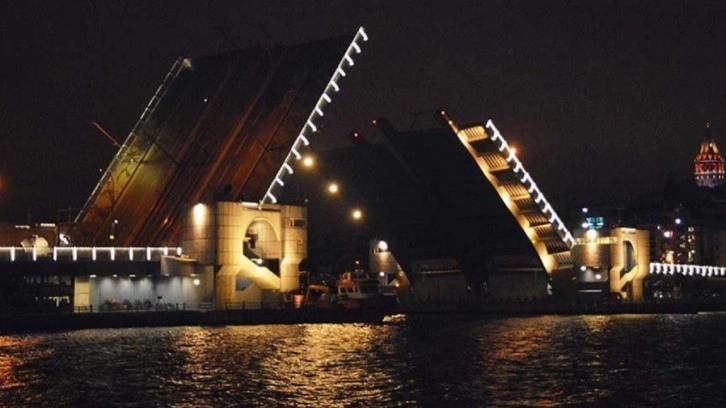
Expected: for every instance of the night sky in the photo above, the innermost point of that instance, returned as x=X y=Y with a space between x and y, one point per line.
x=602 y=99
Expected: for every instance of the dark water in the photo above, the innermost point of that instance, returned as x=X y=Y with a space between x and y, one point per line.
x=627 y=360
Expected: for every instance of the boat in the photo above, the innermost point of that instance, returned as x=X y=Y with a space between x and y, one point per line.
x=359 y=290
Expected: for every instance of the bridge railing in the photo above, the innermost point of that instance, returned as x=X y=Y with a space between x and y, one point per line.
x=687 y=270
x=33 y=254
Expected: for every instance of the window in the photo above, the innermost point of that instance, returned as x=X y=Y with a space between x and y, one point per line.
x=297 y=223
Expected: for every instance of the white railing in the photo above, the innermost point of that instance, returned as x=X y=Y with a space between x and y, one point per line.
x=687 y=270
x=309 y=126
x=13 y=254
x=526 y=179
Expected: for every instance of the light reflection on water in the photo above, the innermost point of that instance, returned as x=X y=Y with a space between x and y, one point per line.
x=650 y=360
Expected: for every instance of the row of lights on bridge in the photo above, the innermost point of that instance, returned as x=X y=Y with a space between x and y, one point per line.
x=332 y=187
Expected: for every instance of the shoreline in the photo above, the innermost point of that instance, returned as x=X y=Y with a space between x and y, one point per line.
x=54 y=322
x=22 y=323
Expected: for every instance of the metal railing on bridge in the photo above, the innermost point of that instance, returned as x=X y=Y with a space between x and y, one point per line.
x=687 y=270
x=72 y=254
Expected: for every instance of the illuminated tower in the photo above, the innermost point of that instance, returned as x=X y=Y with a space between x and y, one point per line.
x=708 y=164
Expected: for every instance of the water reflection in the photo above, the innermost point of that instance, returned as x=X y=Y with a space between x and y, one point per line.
x=436 y=361
x=17 y=354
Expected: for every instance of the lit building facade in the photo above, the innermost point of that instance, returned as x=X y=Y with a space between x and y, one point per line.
x=611 y=262
x=245 y=253
x=709 y=164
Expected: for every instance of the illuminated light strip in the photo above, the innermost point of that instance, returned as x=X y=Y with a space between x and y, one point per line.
x=61 y=253
x=533 y=189
x=496 y=136
x=686 y=269
x=318 y=109
x=569 y=237
x=297 y=154
x=280 y=182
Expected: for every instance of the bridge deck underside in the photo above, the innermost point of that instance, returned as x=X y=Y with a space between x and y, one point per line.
x=523 y=205
x=220 y=131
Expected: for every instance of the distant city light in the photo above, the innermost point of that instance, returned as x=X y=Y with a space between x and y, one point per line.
x=196 y=282
x=333 y=188
x=598 y=276
x=585 y=210
x=678 y=221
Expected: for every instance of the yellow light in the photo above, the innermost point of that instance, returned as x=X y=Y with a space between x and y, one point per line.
x=382 y=246
x=333 y=188
x=200 y=214
x=308 y=161
x=357 y=214
x=591 y=235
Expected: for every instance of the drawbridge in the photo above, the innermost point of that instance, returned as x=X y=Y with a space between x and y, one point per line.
x=217 y=128
x=515 y=186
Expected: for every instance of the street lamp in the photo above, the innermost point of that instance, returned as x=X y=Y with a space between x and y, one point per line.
x=357 y=214
x=308 y=161
x=333 y=188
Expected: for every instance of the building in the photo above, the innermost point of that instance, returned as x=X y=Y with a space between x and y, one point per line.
x=708 y=166
x=611 y=262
